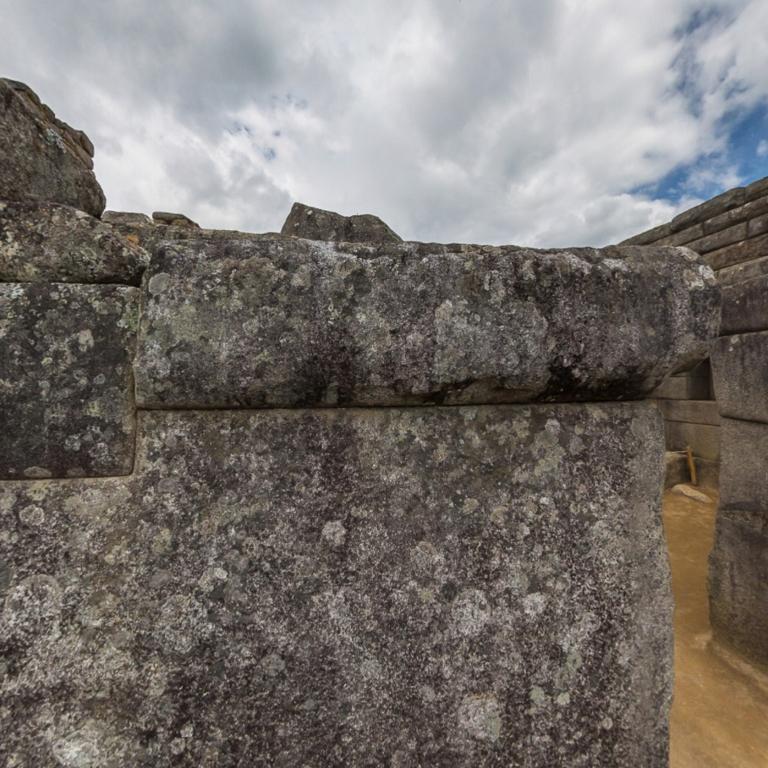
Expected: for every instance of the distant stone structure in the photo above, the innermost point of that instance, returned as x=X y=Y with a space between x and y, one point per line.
x=270 y=500
x=730 y=232
x=728 y=420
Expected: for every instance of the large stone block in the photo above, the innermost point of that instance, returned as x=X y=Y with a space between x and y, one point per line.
x=691 y=411
x=743 y=477
x=739 y=559
x=317 y=224
x=745 y=306
x=444 y=587
x=738 y=253
x=66 y=387
x=738 y=587
x=740 y=373
x=273 y=321
x=695 y=384
x=51 y=242
x=42 y=157
x=757 y=267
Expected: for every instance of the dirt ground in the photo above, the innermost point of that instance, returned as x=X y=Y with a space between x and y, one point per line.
x=720 y=712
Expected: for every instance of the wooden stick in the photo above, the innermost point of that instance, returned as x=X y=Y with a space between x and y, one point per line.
x=691 y=466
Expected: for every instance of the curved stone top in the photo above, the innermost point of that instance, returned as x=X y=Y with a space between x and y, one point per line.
x=273 y=321
x=43 y=158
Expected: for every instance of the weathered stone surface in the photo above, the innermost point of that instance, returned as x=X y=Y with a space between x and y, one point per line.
x=757 y=189
x=721 y=239
x=42 y=157
x=695 y=384
x=740 y=371
x=127 y=218
x=738 y=573
x=147 y=233
x=745 y=306
x=753 y=210
x=174 y=219
x=738 y=253
x=649 y=237
x=66 y=389
x=683 y=237
x=691 y=411
x=279 y=321
x=443 y=587
x=317 y=224
x=733 y=198
x=703 y=439
x=738 y=588
x=757 y=267
x=57 y=243
x=743 y=485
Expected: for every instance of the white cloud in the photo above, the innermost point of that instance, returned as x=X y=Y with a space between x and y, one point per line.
x=762 y=148
x=485 y=121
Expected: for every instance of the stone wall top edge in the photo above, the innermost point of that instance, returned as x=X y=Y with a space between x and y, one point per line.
x=699 y=214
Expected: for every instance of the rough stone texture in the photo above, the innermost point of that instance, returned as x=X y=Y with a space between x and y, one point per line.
x=443 y=587
x=739 y=253
x=758 y=267
x=691 y=411
x=317 y=224
x=51 y=242
x=743 y=484
x=694 y=384
x=745 y=306
x=738 y=588
x=174 y=219
x=127 y=218
x=721 y=239
x=739 y=561
x=259 y=321
x=139 y=229
x=757 y=189
x=42 y=157
x=66 y=388
x=733 y=198
x=740 y=370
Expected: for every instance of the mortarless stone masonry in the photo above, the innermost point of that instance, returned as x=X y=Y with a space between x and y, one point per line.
x=42 y=157
x=446 y=586
x=66 y=385
x=274 y=321
x=449 y=584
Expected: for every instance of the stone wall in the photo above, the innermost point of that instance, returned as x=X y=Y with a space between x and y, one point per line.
x=269 y=500
x=730 y=232
x=739 y=560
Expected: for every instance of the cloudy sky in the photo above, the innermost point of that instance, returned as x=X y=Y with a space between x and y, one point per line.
x=543 y=122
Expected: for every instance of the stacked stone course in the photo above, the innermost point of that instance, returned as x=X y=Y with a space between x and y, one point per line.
x=270 y=500
x=730 y=232
x=731 y=424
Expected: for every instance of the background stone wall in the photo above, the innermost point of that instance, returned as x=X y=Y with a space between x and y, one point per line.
x=730 y=232
x=720 y=407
